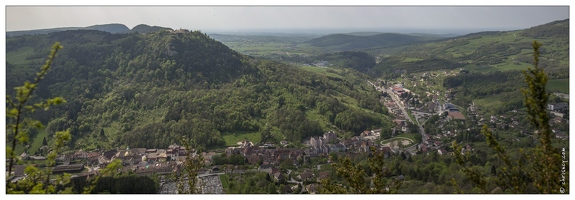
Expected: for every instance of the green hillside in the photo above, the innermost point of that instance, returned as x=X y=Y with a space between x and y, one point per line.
x=344 y=42
x=496 y=51
x=490 y=62
x=148 y=90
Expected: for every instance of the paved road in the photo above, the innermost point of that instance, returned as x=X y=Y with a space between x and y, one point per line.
x=390 y=93
x=411 y=149
x=394 y=99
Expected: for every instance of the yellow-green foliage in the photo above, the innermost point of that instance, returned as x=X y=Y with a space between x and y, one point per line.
x=541 y=170
x=36 y=181
x=355 y=178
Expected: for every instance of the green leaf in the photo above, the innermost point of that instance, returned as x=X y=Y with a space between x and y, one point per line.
x=36 y=124
x=8 y=151
x=31 y=169
x=22 y=137
x=12 y=112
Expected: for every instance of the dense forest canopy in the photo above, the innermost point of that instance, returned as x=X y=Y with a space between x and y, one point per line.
x=145 y=90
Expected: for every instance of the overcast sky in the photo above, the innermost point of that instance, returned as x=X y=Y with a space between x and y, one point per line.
x=242 y=18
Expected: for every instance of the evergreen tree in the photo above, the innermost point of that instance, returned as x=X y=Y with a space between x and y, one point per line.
x=493 y=171
x=354 y=175
x=540 y=171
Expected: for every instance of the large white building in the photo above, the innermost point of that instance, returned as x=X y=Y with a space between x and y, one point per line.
x=329 y=136
x=316 y=142
x=321 y=143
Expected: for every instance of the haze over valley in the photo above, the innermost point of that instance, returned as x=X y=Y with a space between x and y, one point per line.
x=261 y=105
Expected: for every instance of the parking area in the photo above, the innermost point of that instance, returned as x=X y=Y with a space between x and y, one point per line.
x=210 y=185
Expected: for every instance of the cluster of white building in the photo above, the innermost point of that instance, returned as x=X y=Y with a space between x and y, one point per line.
x=317 y=142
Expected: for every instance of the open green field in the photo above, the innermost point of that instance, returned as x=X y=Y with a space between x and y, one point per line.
x=561 y=85
x=314 y=116
x=510 y=66
x=324 y=71
x=19 y=57
x=233 y=138
x=225 y=183
x=488 y=103
x=498 y=67
x=325 y=167
x=472 y=46
x=35 y=143
x=411 y=59
x=346 y=100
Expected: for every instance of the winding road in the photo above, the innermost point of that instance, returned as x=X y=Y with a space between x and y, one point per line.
x=402 y=108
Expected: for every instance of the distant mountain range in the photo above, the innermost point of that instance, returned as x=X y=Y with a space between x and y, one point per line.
x=355 y=41
x=111 y=28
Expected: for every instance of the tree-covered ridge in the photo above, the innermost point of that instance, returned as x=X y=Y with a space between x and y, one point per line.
x=343 y=42
x=146 y=90
x=488 y=61
x=493 y=48
x=554 y=29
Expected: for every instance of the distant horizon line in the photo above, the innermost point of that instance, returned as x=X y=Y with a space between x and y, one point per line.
x=295 y=30
x=331 y=30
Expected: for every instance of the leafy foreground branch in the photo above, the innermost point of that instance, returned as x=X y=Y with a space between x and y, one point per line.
x=540 y=171
x=187 y=181
x=355 y=178
x=36 y=181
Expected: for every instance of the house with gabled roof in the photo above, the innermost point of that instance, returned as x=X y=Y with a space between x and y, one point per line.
x=275 y=170
x=286 y=189
x=312 y=188
x=305 y=176
x=278 y=176
x=386 y=151
x=110 y=154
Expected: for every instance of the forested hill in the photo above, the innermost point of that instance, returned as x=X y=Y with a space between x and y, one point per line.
x=485 y=52
x=490 y=63
x=146 y=90
x=558 y=29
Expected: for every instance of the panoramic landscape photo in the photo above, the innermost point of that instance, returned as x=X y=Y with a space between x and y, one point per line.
x=287 y=100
